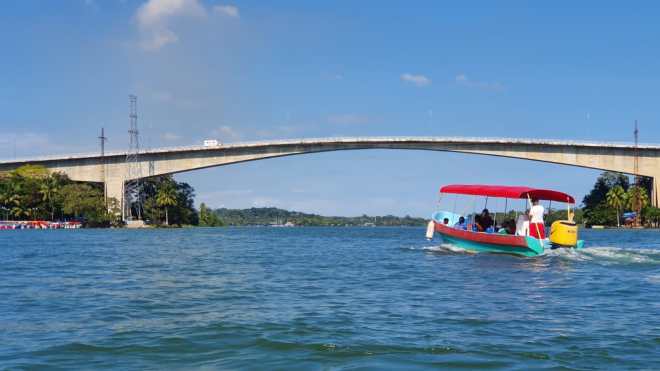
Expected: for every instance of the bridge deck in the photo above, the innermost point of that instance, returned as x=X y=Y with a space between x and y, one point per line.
x=353 y=140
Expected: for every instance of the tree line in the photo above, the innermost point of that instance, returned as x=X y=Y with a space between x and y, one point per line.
x=31 y=192
x=272 y=215
x=613 y=196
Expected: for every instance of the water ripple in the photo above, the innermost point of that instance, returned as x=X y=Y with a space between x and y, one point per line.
x=323 y=298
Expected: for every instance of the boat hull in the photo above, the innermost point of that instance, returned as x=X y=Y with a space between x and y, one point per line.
x=492 y=242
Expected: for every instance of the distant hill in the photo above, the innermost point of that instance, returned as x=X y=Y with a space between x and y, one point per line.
x=272 y=215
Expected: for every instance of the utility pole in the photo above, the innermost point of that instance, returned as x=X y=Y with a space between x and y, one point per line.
x=103 y=139
x=636 y=152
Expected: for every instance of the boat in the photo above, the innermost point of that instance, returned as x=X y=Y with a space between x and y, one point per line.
x=563 y=233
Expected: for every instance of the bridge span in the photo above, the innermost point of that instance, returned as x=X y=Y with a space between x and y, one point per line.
x=111 y=169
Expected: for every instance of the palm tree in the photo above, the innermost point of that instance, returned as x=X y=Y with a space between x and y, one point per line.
x=616 y=199
x=48 y=189
x=637 y=200
x=18 y=208
x=166 y=197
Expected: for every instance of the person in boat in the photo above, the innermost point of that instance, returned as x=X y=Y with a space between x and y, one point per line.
x=536 y=224
x=477 y=226
x=460 y=224
x=486 y=221
x=522 y=224
x=508 y=227
x=445 y=221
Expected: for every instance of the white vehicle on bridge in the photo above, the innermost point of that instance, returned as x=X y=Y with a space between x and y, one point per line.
x=211 y=143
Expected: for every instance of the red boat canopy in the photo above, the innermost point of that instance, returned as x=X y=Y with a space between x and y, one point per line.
x=507 y=192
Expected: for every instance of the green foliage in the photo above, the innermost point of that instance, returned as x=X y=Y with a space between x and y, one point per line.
x=166 y=197
x=604 y=183
x=208 y=218
x=30 y=192
x=637 y=199
x=604 y=204
x=600 y=215
x=159 y=191
x=651 y=215
x=616 y=198
x=271 y=215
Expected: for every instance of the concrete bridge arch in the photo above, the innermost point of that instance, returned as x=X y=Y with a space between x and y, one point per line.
x=112 y=170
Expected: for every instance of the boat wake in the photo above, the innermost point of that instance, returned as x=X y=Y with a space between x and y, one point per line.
x=446 y=248
x=608 y=255
x=603 y=255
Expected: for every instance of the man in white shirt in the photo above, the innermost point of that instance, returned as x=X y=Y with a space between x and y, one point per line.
x=536 y=224
x=522 y=224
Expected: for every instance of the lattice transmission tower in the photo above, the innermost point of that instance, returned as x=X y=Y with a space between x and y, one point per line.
x=133 y=186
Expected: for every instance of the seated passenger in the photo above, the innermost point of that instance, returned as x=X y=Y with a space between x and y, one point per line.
x=477 y=227
x=486 y=219
x=460 y=224
x=508 y=227
x=445 y=221
x=511 y=228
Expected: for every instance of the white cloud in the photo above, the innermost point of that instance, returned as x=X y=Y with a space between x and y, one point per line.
x=348 y=119
x=463 y=80
x=226 y=132
x=228 y=10
x=417 y=80
x=155 y=12
x=154 y=17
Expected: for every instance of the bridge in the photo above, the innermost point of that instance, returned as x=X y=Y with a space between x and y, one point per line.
x=112 y=170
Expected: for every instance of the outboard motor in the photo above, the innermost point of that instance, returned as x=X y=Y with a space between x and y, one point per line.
x=563 y=233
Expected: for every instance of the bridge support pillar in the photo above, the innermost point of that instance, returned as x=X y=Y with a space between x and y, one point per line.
x=655 y=194
x=115 y=189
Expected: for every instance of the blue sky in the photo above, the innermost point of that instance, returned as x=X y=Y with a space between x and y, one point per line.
x=253 y=70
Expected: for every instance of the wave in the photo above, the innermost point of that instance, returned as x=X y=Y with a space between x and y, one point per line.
x=608 y=255
x=443 y=248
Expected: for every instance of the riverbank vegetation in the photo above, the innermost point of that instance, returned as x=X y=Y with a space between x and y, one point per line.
x=32 y=193
x=275 y=216
x=613 y=201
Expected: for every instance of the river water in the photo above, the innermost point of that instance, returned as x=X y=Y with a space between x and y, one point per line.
x=322 y=298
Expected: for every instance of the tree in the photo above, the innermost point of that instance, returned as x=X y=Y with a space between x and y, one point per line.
x=165 y=198
x=604 y=183
x=32 y=192
x=651 y=215
x=208 y=217
x=616 y=199
x=182 y=213
x=637 y=200
x=599 y=215
x=48 y=190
